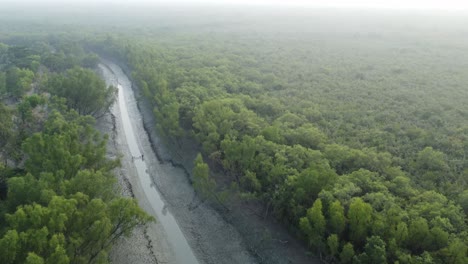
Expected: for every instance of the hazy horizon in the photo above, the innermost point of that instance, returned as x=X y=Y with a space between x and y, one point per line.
x=448 y=5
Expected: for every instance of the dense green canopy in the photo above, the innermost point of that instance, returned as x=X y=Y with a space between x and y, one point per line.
x=355 y=158
x=59 y=199
x=85 y=91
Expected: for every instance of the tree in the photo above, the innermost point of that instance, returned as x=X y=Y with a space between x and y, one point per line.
x=204 y=184
x=313 y=225
x=91 y=227
x=456 y=252
x=85 y=92
x=18 y=81
x=463 y=200
x=418 y=235
x=374 y=251
x=25 y=112
x=34 y=259
x=431 y=167
x=336 y=217
x=347 y=254
x=333 y=244
x=360 y=217
x=65 y=209
x=311 y=181
x=315 y=215
x=9 y=246
x=6 y=126
x=3 y=89
x=401 y=234
x=306 y=135
x=67 y=144
x=202 y=181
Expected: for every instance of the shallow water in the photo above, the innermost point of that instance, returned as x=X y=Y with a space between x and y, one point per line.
x=114 y=75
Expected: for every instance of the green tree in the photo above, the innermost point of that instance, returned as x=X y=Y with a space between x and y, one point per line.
x=431 y=167
x=202 y=181
x=374 y=251
x=85 y=92
x=347 y=253
x=204 y=184
x=313 y=225
x=333 y=244
x=401 y=234
x=418 y=235
x=463 y=200
x=18 y=81
x=9 y=245
x=360 y=217
x=456 y=252
x=67 y=144
x=34 y=259
x=6 y=126
x=337 y=219
x=3 y=88
x=306 y=135
x=66 y=208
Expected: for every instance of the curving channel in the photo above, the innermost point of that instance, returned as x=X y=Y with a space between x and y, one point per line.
x=178 y=242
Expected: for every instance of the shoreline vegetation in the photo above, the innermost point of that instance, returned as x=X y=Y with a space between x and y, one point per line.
x=61 y=202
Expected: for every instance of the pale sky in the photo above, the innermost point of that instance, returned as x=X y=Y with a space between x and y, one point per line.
x=410 y=4
x=392 y=4
x=449 y=4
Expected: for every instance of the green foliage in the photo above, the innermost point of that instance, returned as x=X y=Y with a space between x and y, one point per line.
x=68 y=54
x=201 y=177
x=418 y=235
x=455 y=252
x=347 y=254
x=333 y=244
x=360 y=217
x=401 y=234
x=68 y=144
x=218 y=119
x=9 y=244
x=84 y=91
x=313 y=225
x=203 y=183
x=463 y=200
x=6 y=126
x=337 y=218
x=3 y=87
x=65 y=209
x=374 y=251
x=18 y=81
x=287 y=121
x=34 y=259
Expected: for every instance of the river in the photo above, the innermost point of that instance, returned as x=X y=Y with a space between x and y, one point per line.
x=126 y=104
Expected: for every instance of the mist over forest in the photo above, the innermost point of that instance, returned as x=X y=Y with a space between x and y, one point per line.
x=292 y=134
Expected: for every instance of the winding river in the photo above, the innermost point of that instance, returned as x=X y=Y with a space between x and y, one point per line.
x=131 y=121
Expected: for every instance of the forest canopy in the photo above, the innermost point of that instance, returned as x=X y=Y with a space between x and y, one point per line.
x=365 y=161
x=59 y=200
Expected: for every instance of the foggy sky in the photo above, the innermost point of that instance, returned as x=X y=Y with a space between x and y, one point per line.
x=387 y=4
